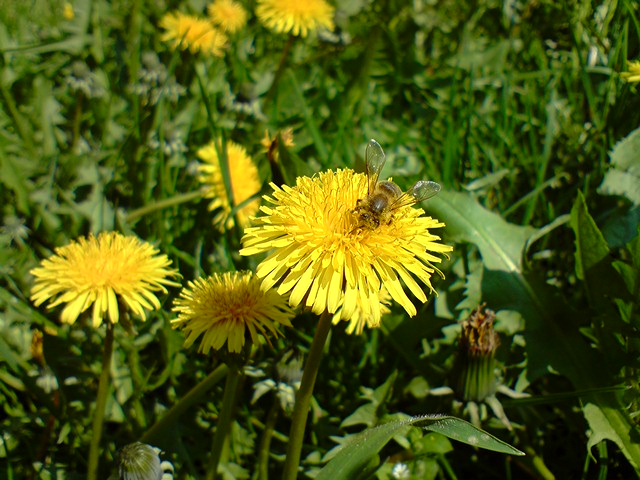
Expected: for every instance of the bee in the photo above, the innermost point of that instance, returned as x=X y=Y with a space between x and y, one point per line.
x=384 y=198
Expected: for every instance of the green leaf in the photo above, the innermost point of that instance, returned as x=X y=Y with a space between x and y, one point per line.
x=500 y=243
x=552 y=337
x=593 y=263
x=551 y=332
x=465 y=432
x=361 y=448
x=631 y=273
x=12 y=176
x=309 y=116
x=610 y=423
x=624 y=176
x=368 y=414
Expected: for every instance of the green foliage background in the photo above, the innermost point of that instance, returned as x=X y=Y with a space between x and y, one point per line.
x=515 y=107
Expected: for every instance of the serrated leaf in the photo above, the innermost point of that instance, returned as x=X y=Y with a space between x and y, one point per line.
x=552 y=336
x=624 y=176
x=500 y=243
x=361 y=448
x=611 y=423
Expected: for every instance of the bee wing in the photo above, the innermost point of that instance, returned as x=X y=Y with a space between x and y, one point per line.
x=422 y=190
x=375 y=158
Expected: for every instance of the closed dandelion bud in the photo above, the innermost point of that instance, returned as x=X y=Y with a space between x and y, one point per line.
x=473 y=372
x=139 y=461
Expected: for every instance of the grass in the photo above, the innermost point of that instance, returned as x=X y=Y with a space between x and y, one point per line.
x=516 y=109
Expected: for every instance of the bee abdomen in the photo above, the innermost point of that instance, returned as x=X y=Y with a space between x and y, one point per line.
x=390 y=188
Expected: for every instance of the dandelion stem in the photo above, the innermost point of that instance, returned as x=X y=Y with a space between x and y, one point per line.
x=276 y=78
x=155 y=434
x=265 y=441
x=303 y=398
x=162 y=204
x=224 y=420
x=101 y=403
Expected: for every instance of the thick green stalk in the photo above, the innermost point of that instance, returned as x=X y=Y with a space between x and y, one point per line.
x=224 y=420
x=154 y=434
x=303 y=398
x=101 y=403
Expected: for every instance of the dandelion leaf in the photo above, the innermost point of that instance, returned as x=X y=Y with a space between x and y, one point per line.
x=624 y=176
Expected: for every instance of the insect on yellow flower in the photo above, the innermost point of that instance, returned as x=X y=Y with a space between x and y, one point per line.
x=327 y=257
x=106 y=272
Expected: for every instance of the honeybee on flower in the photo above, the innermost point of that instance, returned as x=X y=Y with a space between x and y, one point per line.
x=384 y=198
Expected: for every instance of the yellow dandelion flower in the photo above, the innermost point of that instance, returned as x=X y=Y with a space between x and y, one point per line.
x=360 y=318
x=245 y=183
x=228 y=15
x=223 y=307
x=633 y=75
x=106 y=272
x=67 y=11
x=193 y=33
x=295 y=16
x=326 y=261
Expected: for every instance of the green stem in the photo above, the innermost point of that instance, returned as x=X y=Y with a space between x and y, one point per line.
x=303 y=398
x=19 y=121
x=77 y=120
x=101 y=403
x=138 y=390
x=154 y=434
x=162 y=204
x=265 y=441
x=224 y=420
x=276 y=78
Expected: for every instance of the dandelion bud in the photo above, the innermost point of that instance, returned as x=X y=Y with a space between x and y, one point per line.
x=474 y=367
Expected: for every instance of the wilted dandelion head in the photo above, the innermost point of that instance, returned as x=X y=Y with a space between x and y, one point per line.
x=324 y=260
x=193 y=33
x=245 y=183
x=228 y=15
x=295 y=16
x=224 y=307
x=269 y=142
x=105 y=272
